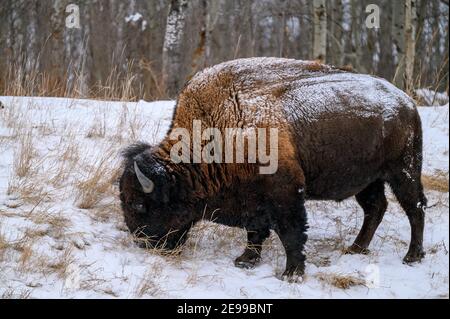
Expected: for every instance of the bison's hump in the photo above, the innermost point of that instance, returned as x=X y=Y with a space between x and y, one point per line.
x=261 y=70
x=268 y=87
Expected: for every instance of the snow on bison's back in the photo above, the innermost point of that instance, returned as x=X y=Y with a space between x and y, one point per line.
x=340 y=134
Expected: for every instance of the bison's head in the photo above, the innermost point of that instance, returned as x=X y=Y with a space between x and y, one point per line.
x=151 y=201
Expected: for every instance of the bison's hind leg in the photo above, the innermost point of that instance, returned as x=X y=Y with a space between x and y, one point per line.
x=408 y=190
x=373 y=201
x=252 y=253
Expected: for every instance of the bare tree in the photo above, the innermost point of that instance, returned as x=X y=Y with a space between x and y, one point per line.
x=410 y=43
x=172 y=50
x=354 y=52
x=320 y=30
x=398 y=36
x=335 y=39
x=385 y=67
x=57 y=42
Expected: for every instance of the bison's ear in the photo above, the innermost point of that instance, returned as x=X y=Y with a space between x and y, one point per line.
x=146 y=183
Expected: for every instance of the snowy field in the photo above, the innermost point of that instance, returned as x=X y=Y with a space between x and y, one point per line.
x=62 y=234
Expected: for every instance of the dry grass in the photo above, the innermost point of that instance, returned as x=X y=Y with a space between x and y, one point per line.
x=25 y=155
x=30 y=191
x=4 y=244
x=14 y=294
x=437 y=182
x=121 y=84
x=66 y=159
x=340 y=281
x=26 y=250
x=97 y=183
x=148 y=286
x=157 y=247
x=61 y=264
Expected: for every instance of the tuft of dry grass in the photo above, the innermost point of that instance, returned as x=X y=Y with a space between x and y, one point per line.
x=98 y=183
x=29 y=191
x=157 y=247
x=24 y=156
x=438 y=182
x=26 y=250
x=67 y=158
x=62 y=263
x=148 y=286
x=340 y=281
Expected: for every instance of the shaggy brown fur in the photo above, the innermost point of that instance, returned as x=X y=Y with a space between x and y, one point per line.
x=340 y=135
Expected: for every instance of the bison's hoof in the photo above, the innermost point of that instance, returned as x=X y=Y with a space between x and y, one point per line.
x=414 y=257
x=356 y=250
x=293 y=275
x=245 y=262
x=293 y=279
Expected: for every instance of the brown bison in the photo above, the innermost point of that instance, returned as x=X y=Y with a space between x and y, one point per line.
x=340 y=134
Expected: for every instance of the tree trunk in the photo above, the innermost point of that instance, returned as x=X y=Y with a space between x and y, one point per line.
x=320 y=31
x=356 y=56
x=211 y=20
x=386 y=68
x=446 y=84
x=335 y=43
x=410 y=44
x=399 y=42
x=56 y=42
x=282 y=28
x=172 y=50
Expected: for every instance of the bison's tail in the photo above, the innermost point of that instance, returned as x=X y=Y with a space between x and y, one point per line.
x=417 y=156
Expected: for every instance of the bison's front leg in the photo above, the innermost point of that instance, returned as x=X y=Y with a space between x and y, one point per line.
x=252 y=253
x=291 y=228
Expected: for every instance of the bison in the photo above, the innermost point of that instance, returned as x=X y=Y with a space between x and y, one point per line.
x=341 y=134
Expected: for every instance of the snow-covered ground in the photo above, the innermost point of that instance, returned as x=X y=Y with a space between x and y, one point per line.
x=62 y=234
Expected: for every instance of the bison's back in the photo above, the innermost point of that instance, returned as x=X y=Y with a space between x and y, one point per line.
x=275 y=89
x=349 y=129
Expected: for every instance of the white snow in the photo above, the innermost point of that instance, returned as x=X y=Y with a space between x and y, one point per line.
x=51 y=248
x=435 y=121
x=134 y=17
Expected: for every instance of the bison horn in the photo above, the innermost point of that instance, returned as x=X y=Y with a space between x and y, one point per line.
x=146 y=183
